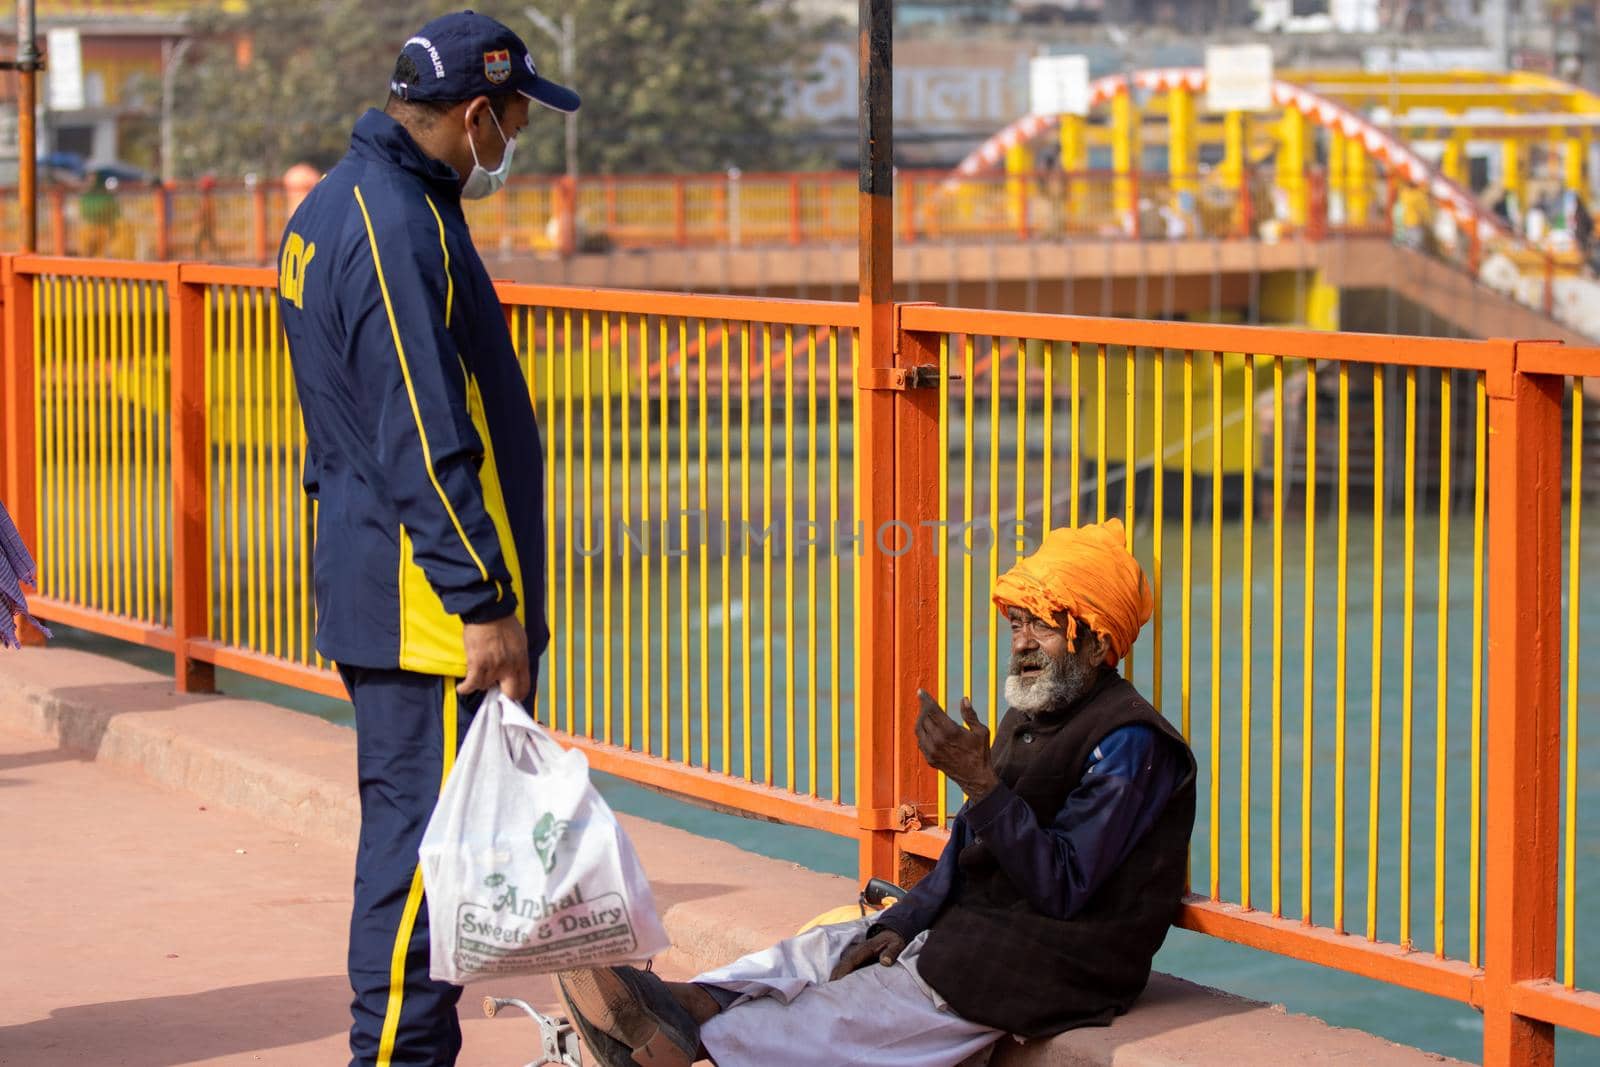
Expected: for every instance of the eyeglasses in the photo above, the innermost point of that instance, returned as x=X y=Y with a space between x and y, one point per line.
x=1038 y=629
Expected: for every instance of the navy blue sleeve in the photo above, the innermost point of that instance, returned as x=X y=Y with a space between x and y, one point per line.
x=402 y=299
x=915 y=912
x=1130 y=776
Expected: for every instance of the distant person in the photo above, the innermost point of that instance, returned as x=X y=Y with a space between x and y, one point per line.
x=1062 y=873
x=298 y=180
x=426 y=461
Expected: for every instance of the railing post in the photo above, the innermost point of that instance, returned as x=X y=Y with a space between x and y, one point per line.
x=58 y=221
x=680 y=211
x=163 y=222
x=17 y=440
x=1524 y=733
x=258 y=198
x=875 y=454
x=796 y=233
x=191 y=496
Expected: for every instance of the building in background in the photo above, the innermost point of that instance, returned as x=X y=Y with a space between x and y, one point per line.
x=100 y=97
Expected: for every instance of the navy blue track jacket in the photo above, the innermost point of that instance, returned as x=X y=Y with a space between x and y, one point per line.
x=424 y=457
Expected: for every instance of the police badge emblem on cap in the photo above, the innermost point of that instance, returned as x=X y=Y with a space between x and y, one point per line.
x=497 y=66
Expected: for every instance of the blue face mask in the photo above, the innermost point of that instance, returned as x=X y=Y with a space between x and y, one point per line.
x=481 y=182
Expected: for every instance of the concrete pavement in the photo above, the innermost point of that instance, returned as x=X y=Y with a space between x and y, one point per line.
x=177 y=884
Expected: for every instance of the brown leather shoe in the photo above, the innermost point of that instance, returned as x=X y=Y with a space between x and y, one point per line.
x=632 y=1009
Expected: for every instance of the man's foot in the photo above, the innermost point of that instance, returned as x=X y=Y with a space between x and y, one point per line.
x=627 y=1016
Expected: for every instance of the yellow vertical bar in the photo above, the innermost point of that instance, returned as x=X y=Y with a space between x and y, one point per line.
x=993 y=548
x=1307 y=674
x=292 y=499
x=586 y=550
x=79 y=477
x=1569 y=893
x=646 y=697
x=279 y=500
x=1101 y=413
x=124 y=472
x=1407 y=658
x=746 y=604
x=836 y=625
x=1158 y=475
x=705 y=559
x=810 y=657
x=565 y=583
x=553 y=686
x=236 y=439
x=1186 y=563
x=1246 y=621
x=1475 y=844
x=664 y=445
x=607 y=461
x=766 y=548
x=1077 y=408
x=87 y=428
x=725 y=387
x=1278 y=578
x=137 y=446
x=789 y=738
x=102 y=430
x=104 y=335
x=625 y=367
x=260 y=484
x=686 y=741
x=1341 y=583
x=111 y=361
x=942 y=618
x=1216 y=625
x=165 y=454
x=1130 y=461
x=1021 y=471
x=1375 y=758
x=1049 y=437
x=1442 y=733
x=52 y=379
x=968 y=406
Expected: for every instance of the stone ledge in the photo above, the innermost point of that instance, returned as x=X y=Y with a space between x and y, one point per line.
x=297 y=773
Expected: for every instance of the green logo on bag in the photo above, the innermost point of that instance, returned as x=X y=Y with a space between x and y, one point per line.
x=547 y=833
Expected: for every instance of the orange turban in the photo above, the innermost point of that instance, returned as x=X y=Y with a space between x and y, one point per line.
x=1082 y=576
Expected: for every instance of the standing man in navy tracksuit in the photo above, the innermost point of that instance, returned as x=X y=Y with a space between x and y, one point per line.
x=425 y=462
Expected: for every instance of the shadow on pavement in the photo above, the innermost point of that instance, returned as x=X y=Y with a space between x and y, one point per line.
x=167 y=1031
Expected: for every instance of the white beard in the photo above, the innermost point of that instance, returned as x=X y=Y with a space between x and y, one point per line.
x=1059 y=685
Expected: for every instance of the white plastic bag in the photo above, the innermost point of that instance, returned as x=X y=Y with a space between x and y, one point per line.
x=525 y=867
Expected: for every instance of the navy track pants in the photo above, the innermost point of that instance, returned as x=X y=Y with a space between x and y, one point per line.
x=408 y=729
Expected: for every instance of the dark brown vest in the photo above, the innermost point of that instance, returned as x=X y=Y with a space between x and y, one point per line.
x=1000 y=962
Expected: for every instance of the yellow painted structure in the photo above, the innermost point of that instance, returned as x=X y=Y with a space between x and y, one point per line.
x=1125 y=145
x=1293 y=155
x=1183 y=156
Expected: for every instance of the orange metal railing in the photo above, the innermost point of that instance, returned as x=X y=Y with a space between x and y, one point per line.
x=1392 y=775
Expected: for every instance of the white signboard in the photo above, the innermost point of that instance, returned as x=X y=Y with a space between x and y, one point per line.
x=1239 y=77
x=64 y=70
x=1058 y=85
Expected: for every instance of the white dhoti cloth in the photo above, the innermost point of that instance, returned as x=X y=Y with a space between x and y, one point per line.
x=788 y=1013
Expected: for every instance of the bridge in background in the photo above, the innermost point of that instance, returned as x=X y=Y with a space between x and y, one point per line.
x=1145 y=206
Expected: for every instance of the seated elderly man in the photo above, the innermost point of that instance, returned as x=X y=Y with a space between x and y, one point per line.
x=1062 y=873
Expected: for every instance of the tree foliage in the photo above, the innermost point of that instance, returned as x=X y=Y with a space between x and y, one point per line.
x=668 y=85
